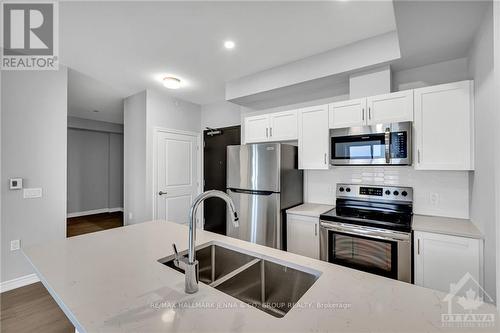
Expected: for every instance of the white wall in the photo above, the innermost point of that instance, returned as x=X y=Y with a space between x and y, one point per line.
x=496 y=42
x=484 y=199
x=428 y=75
x=134 y=157
x=144 y=112
x=34 y=127
x=220 y=114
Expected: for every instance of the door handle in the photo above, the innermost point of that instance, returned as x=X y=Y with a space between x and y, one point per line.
x=162 y=193
x=387 y=139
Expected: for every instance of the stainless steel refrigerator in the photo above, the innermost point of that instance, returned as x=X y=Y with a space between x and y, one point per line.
x=263 y=180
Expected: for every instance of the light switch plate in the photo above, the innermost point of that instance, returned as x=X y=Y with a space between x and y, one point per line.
x=15 y=244
x=31 y=193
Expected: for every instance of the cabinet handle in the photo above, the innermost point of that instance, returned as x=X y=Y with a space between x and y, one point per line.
x=267 y=132
x=325 y=158
x=315 y=230
x=270 y=131
x=418 y=246
x=363 y=114
x=370 y=113
x=418 y=156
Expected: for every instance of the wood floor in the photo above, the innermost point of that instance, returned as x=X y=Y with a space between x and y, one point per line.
x=31 y=308
x=92 y=223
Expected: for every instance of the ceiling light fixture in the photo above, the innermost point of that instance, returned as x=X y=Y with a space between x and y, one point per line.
x=171 y=82
x=229 y=44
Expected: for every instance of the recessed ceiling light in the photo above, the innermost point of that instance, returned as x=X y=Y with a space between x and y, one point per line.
x=171 y=82
x=229 y=44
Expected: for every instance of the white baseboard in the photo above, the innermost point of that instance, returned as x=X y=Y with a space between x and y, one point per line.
x=18 y=282
x=95 y=211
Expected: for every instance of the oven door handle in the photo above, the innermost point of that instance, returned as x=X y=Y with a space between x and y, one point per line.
x=387 y=137
x=361 y=231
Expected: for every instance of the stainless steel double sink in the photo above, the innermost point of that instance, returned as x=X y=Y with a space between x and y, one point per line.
x=256 y=280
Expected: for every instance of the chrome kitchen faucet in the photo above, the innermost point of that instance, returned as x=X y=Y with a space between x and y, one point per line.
x=190 y=264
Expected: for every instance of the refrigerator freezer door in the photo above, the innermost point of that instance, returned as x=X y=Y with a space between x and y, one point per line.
x=254 y=167
x=260 y=220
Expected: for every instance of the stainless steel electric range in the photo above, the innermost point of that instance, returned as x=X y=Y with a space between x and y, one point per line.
x=370 y=229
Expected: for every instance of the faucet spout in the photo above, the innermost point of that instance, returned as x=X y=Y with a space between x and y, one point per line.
x=191 y=272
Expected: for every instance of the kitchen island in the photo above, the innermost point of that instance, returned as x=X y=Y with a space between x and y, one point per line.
x=111 y=281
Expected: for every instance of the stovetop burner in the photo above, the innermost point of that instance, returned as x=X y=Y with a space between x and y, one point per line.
x=381 y=207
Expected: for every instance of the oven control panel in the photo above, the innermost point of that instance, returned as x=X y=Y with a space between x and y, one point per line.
x=374 y=192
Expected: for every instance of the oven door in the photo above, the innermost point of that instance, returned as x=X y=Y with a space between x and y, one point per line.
x=381 y=144
x=378 y=251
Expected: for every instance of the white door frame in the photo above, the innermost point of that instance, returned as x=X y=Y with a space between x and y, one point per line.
x=196 y=135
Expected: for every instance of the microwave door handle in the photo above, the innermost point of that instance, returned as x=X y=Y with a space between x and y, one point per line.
x=387 y=145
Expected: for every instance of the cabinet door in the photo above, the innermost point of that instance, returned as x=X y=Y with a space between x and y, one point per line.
x=443 y=259
x=347 y=113
x=444 y=124
x=313 y=137
x=389 y=108
x=283 y=126
x=303 y=235
x=257 y=128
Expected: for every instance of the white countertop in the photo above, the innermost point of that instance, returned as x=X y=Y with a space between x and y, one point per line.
x=310 y=209
x=446 y=225
x=110 y=281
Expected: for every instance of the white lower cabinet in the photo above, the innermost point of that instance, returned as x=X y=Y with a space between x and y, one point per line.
x=441 y=260
x=303 y=235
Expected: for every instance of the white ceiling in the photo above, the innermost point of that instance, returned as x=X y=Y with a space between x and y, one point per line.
x=127 y=45
x=87 y=95
x=434 y=31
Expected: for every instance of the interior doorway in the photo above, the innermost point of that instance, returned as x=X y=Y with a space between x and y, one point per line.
x=214 y=170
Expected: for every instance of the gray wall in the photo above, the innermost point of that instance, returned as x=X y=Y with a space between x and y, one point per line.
x=484 y=197
x=95 y=170
x=33 y=132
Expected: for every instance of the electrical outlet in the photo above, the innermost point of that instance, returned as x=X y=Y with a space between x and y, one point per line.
x=15 y=244
x=434 y=198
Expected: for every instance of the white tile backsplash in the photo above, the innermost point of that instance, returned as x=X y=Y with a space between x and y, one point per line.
x=441 y=193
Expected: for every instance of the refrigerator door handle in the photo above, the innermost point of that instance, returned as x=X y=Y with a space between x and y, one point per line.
x=256 y=192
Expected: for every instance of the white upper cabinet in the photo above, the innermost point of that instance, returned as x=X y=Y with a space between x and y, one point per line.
x=347 y=113
x=390 y=108
x=313 y=137
x=257 y=128
x=283 y=126
x=386 y=108
x=279 y=126
x=444 y=127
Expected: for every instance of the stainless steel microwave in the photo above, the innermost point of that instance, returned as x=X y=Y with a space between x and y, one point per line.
x=380 y=144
